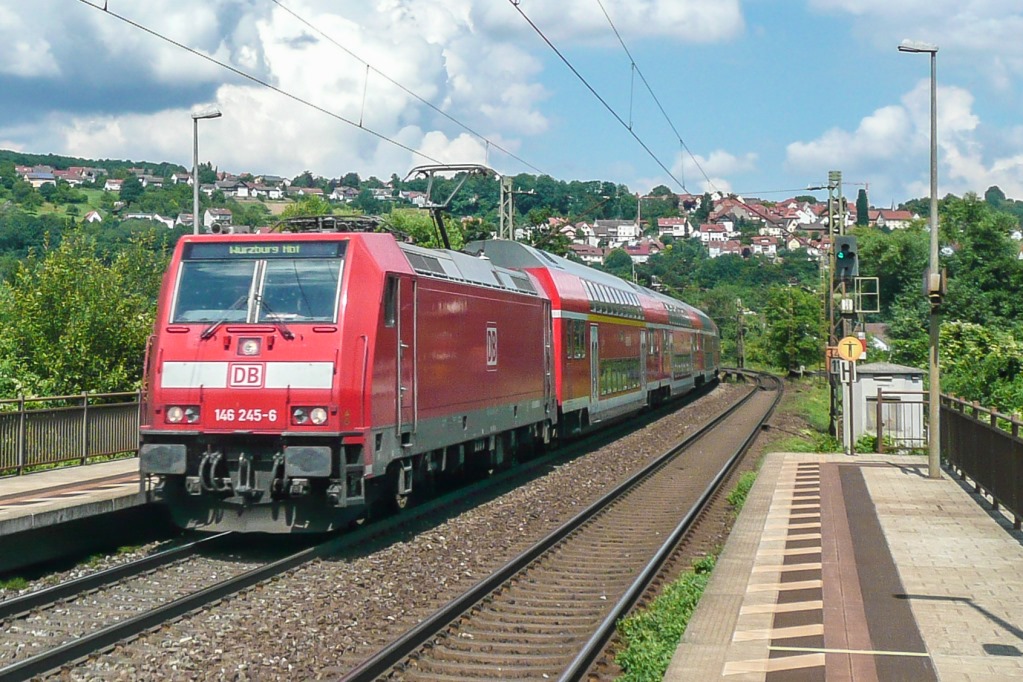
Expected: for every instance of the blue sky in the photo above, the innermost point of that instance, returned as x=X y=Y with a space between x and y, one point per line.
x=767 y=95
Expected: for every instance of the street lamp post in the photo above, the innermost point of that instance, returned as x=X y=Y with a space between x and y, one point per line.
x=208 y=113
x=934 y=283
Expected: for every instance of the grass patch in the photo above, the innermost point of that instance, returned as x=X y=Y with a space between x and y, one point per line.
x=737 y=498
x=652 y=634
x=14 y=584
x=810 y=400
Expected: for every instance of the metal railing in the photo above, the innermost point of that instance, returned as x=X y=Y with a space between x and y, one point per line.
x=899 y=418
x=66 y=429
x=986 y=446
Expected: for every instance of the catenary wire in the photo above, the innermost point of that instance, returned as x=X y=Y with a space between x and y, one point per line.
x=258 y=81
x=657 y=101
x=370 y=67
x=582 y=79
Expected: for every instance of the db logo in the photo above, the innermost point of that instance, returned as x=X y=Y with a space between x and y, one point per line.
x=245 y=376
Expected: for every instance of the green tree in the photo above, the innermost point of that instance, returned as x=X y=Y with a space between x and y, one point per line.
x=131 y=190
x=994 y=196
x=207 y=173
x=794 y=335
x=619 y=263
x=550 y=239
x=420 y=227
x=367 y=203
x=862 y=208
x=702 y=213
x=74 y=323
x=897 y=259
x=303 y=179
x=308 y=205
x=26 y=195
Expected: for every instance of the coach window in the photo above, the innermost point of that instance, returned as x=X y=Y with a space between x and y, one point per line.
x=391 y=301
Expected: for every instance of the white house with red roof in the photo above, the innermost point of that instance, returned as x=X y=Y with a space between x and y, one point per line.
x=587 y=254
x=890 y=218
x=725 y=248
x=712 y=233
x=678 y=227
x=766 y=245
x=641 y=251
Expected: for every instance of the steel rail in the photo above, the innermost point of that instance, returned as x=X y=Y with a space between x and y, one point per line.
x=595 y=645
x=40 y=599
x=397 y=650
x=110 y=635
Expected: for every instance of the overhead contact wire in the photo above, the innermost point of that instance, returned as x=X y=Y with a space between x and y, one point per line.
x=258 y=81
x=406 y=90
x=664 y=113
x=596 y=94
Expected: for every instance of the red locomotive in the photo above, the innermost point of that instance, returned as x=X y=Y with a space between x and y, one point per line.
x=295 y=379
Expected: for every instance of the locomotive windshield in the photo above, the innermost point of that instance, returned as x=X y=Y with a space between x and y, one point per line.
x=264 y=282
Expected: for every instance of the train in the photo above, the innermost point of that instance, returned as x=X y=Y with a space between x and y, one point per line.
x=296 y=380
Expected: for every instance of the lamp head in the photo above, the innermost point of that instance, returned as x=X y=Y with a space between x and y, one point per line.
x=207 y=113
x=908 y=45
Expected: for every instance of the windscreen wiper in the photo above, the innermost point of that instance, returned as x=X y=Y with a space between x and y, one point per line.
x=275 y=318
x=208 y=332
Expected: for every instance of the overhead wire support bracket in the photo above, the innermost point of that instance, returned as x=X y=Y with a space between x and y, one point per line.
x=431 y=171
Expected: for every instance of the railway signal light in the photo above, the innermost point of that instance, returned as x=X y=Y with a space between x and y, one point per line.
x=847 y=263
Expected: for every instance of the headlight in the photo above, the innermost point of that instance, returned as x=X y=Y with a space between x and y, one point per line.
x=307 y=415
x=188 y=414
x=248 y=347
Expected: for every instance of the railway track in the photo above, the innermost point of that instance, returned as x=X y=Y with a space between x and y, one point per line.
x=48 y=628
x=80 y=654
x=549 y=613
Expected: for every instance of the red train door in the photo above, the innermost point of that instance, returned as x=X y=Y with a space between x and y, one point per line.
x=642 y=359
x=548 y=357
x=594 y=365
x=406 y=393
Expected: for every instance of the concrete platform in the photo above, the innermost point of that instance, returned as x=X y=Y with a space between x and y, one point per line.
x=34 y=506
x=860 y=568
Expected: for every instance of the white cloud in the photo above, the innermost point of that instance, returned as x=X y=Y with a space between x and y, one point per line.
x=891 y=149
x=880 y=136
x=125 y=93
x=25 y=55
x=982 y=33
x=693 y=21
x=710 y=173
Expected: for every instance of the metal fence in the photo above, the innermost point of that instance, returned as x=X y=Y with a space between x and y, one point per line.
x=899 y=418
x=54 y=430
x=986 y=446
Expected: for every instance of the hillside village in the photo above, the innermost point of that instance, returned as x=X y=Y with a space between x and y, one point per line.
x=769 y=227
x=787 y=225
